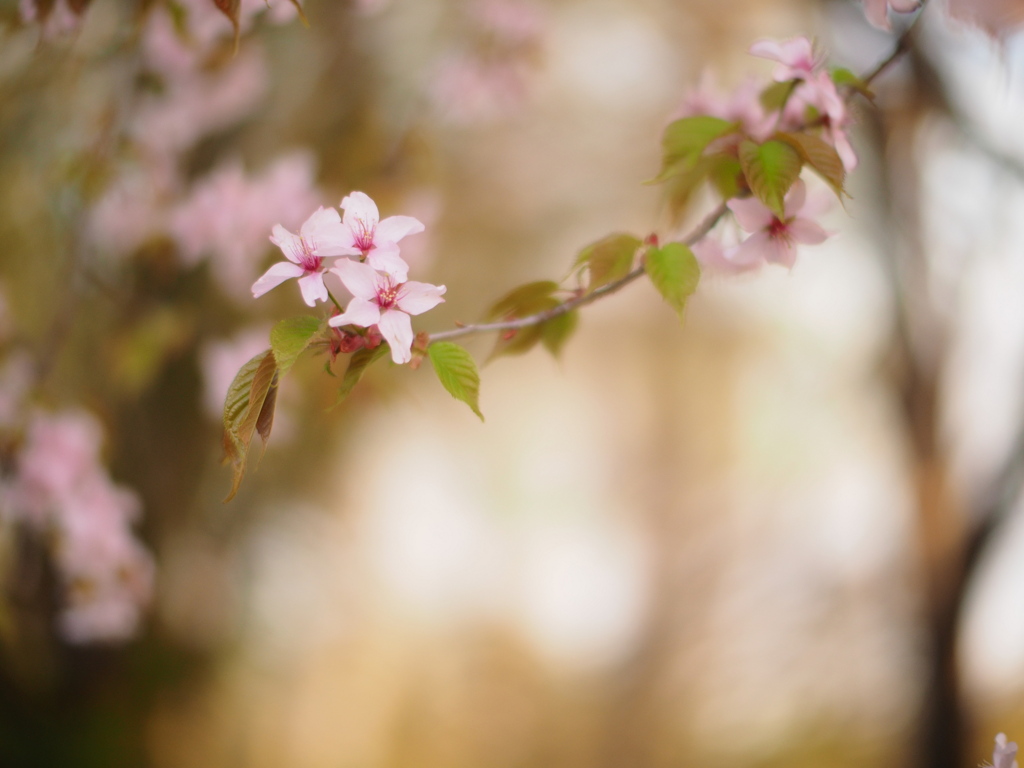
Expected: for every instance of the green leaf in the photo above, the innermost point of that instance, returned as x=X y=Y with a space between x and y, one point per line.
x=139 y=350
x=609 y=259
x=685 y=140
x=456 y=370
x=674 y=271
x=844 y=77
x=357 y=364
x=775 y=96
x=556 y=331
x=289 y=339
x=248 y=408
x=724 y=173
x=821 y=156
x=770 y=170
x=524 y=300
x=517 y=342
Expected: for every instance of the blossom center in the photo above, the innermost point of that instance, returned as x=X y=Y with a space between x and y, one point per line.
x=387 y=295
x=308 y=260
x=778 y=229
x=363 y=233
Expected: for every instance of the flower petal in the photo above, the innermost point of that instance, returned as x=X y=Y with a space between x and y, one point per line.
x=358 y=312
x=362 y=280
x=394 y=228
x=753 y=250
x=360 y=211
x=807 y=232
x=795 y=199
x=385 y=258
x=416 y=298
x=313 y=288
x=780 y=251
x=396 y=327
x=290 y=244
x=274 y=276
x=751 y=214
x=327 y=236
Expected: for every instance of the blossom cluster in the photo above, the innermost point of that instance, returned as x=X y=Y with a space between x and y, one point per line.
x=223 y=214
x=812 y=105
x=373 y=271
x=61 y=492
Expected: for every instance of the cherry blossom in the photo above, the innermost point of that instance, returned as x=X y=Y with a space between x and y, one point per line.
x=715 y=256
x=774 y=239
x=817 y=100
x=797 y=58
x=321 y=236
x=376 y=240
x=877 y=11
x=60 y=21
x=743 y=105
x=228 y=212
x=386 y=301
x=1005 y=753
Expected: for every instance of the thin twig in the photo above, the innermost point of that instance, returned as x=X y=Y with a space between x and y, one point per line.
x=579 y=301
x=902 y=46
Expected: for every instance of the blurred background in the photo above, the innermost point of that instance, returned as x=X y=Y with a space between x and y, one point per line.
x=782 y=533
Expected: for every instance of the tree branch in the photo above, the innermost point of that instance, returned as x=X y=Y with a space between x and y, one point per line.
x=578 y=301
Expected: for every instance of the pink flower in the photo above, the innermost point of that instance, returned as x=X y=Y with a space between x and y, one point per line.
x=321 y=236
x=817 y=100
x=743 y=105
x=877 y=11
x=376 y=240
x=58 y=22
x=227 y=214
x=773 y=239
x=797 y=58
x=1005 y=753
x=714 y=256
x=386 y=301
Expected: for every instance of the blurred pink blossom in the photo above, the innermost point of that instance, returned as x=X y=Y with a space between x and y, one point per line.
x=513 y=23
x=17 y=373
x=195 y=106
x=1005 y=753
x=773 y=239
x=797 y=58
x=61 y=490
x=714 y=256
x=228 y=214
x=180 y=51
x=130 y=212
x=60 y=452
x=816 y=101
x=384 y=301
x=743 y=105
x=60 y=22
x=877 y=11
x=490 y=79
x=220 y=360
x=470 y=89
